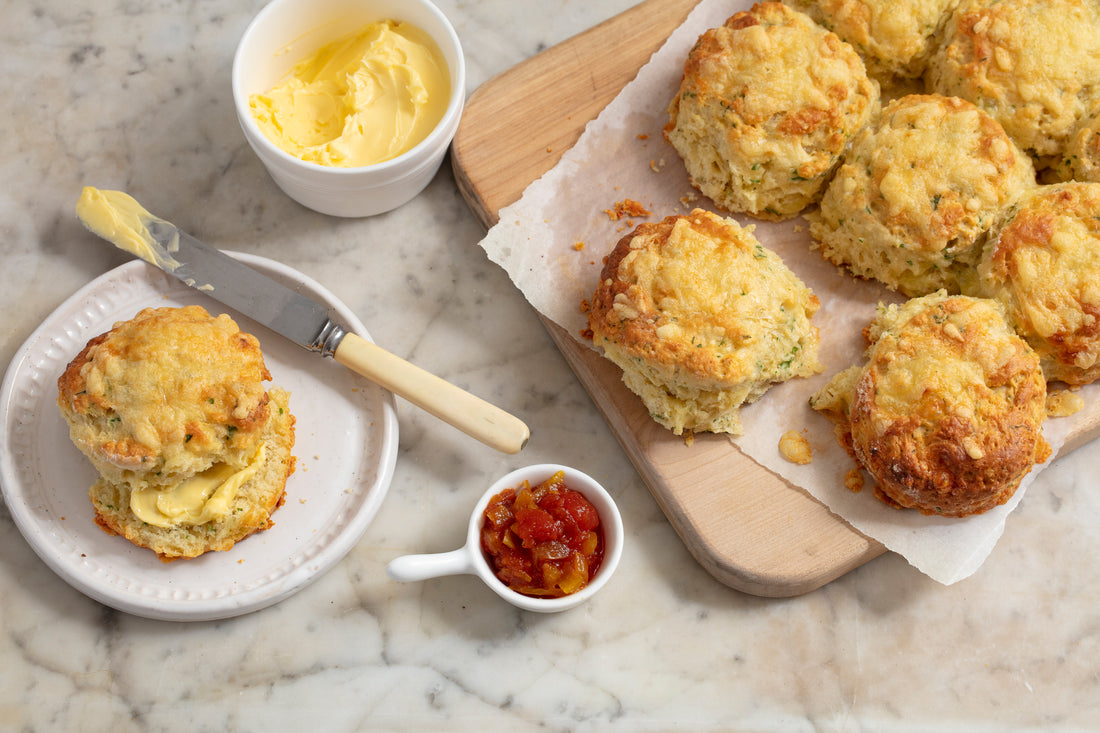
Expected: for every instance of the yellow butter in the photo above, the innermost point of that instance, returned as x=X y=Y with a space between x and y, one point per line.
x=363 y=99
x=120 y=219
x=202 y=498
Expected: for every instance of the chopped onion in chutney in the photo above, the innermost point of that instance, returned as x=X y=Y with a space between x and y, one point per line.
x=544 y=541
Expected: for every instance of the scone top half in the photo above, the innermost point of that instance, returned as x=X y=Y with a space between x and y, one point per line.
x=166 y=395
x=947 y=412
x=701 y=318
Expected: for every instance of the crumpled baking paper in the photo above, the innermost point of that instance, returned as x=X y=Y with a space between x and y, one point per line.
x=552 y=242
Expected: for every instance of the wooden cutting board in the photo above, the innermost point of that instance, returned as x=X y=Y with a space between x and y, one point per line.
x=748 y=527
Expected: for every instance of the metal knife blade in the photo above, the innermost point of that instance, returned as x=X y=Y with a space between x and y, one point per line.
x=118 y=218
x=285 y=311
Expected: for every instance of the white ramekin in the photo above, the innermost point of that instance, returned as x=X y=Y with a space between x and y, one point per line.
x=470 y=560
x=285 y=32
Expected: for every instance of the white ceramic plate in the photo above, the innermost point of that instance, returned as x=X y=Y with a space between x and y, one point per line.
x=346 y=448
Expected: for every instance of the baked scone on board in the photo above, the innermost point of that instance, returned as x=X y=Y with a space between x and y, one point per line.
x=917 y=192
x=766 y=105
x=1034 y=65
x=894 y=37
x=702 y=319
x=192 y=450
x=947 y=412
x=1043 y=264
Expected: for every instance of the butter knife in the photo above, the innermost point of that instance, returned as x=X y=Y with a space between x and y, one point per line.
x=118 y=218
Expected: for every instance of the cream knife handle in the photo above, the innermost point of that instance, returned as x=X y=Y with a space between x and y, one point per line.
x=472 y=415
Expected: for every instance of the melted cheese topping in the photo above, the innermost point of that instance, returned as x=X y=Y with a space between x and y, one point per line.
x=202 y=498
x=360 y=100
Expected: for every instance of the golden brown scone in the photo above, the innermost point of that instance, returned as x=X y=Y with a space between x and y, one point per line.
x=1043 y=264
x=1081 y=158
x=894 y=37
x=1034 y=65
x=917 y=192
x=702 y=319
x=947 y=413
x=247 y=512
x=765 y=108
x=165 y=395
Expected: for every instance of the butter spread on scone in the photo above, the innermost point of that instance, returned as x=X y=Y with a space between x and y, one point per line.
x=702 y=319
x=204 y=497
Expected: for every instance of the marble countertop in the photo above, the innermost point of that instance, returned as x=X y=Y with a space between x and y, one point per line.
x=136 y=96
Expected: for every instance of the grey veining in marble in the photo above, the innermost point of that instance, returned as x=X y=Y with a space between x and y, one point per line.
x=135 y=95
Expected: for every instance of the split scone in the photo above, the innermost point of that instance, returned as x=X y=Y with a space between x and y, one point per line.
x=702 y=319
x=192 y=450
x=1034 y=65
x=947 y=413
x=894 y=38
x=1043 y=264
x=917 y=192
x=766 y=105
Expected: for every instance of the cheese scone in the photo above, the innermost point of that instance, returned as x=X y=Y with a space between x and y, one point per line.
x=1043 y=264
x=947 y=412
x=766 y=105
x=165 y=395
x=917 y=192
x=702 y=319
x=170 y=407
x=894 y=37
x=1034 y=65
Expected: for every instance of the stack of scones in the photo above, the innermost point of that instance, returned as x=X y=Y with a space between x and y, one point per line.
x=193 y=452
x=947 y=149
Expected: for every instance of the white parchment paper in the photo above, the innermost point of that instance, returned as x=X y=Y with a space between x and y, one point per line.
x=552 y=241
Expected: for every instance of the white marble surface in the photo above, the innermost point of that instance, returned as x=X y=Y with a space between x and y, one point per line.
x=135 y=95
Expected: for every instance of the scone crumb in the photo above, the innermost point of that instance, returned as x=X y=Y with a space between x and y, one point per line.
x=795 y=448
x=853 y=481
x=1064 y=403
x=625 y=208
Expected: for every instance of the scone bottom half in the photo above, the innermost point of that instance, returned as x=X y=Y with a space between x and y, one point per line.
x=702 y=319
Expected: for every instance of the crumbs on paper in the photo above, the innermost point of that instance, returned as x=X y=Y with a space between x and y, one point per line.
x=625 y=208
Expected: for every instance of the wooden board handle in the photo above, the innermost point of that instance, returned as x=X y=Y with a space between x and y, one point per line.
x=472 y=415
